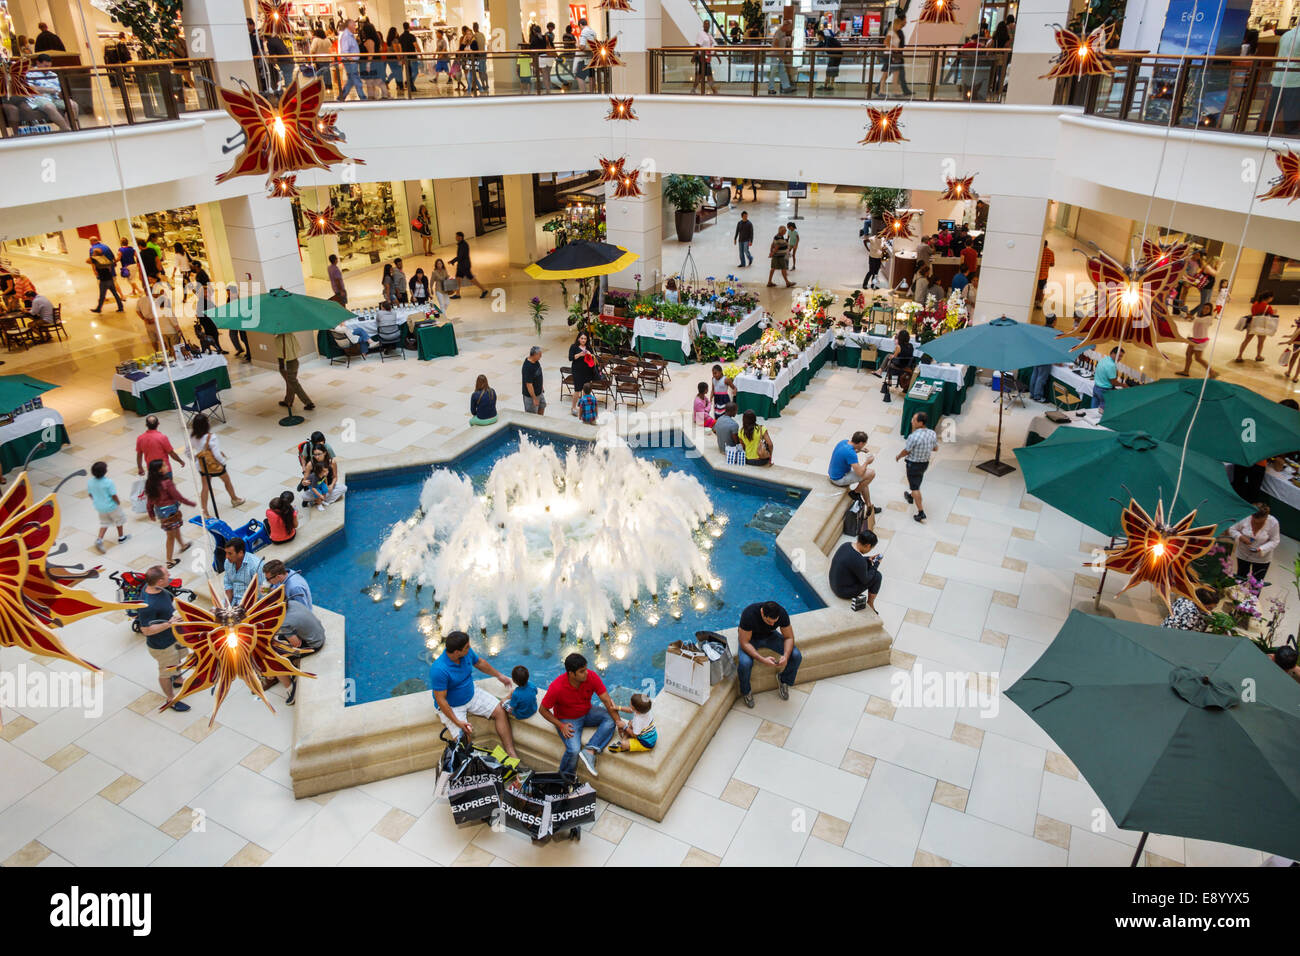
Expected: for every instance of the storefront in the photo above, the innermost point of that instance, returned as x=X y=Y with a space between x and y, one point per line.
x=373 y=223
x=173 y=226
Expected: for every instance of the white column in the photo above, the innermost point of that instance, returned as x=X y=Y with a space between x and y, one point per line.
x=454 y=208
x=637 y=31
x=1013 y=241
x=217 y=30
x=637 y=226
x=263 y=247
x=521 y=219
x=1032 y=49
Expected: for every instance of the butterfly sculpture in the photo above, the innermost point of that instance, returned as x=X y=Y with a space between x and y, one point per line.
x=1131 y=303
x=611 y=169
x=938 y=11
x=627 y=186
x=1159 y=553
x=321 y=222
x=620 y=5
x=1158 y=252
x=897 y=226
x=884 y=126
x=275 y=17
x=602 y=52
x=620 y=109
x=15 y=78
x=283 y=187
x=1287 y=185
x=1080 y=56
x=327 y=127
x=958 y=189
x=282 y=137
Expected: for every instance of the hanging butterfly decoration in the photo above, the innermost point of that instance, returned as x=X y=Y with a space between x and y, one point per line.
x=282 y=187
x=1158 y=253
x=280 y=138
x=620 y=109
x=621 y=6
x=326 y=126
x=611 y=169
x=603 y=53
x=884 y=127
x=1287 y=185
x=958 y=189
x=321 y=222
x=1131 y=303
x=233 y=642
x=275 y=17
x=15 y=78
x=33 y=595
x=897 y=226
x=938 y=11
x=1080 y=56
x=627 y=185
x=1159 y=553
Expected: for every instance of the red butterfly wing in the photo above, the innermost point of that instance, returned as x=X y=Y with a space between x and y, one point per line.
x=253 y=114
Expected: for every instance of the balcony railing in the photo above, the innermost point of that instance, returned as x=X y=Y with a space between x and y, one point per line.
x=90 y=97
x=1234 y=94
x=947 y=74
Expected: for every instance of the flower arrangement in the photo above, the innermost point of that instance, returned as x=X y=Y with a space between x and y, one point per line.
x=619 y=300
x=539 y=310
x=644 y=310
x=731 y=371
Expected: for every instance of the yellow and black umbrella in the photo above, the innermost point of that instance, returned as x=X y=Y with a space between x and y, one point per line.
x=582 y=259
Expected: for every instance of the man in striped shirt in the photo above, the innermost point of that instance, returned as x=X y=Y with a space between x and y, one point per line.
x=921 y=442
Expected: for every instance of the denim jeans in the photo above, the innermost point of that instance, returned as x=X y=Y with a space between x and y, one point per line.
x=745 y=663
x=1038 y=382
x=1099 y=396
x=777 y=69
x=480 y=66
x=604 y=725
x=744 y=254
x=351 y=81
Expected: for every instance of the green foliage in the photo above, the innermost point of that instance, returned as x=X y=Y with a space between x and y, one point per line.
x=880 y=199
x=609 y=335
x=685 y=193
x=675 y=312
x=709 y=349
x=155 y=23
x=751 y=14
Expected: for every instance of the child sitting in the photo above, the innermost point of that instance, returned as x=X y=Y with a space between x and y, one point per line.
x=701 y=409
x=587 y=405
x=640 y=735
x=523 y=699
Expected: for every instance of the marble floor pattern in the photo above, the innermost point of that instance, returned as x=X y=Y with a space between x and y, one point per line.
x=836 y=775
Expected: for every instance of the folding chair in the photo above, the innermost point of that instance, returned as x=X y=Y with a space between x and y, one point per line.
x=206 y=401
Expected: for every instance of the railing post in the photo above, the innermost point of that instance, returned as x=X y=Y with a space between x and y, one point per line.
x=127 y=109
x=760 y=58
x=934 y=61
x=74 y=116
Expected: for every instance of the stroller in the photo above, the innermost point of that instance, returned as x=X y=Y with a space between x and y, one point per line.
x=130 y=584
x=254 y=534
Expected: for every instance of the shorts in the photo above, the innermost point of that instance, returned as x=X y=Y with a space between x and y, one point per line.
x=115 y=518
x=534 y=405
x=168 y=658
x=1198 y=345
x=639 y=745
x=850 y=478
x=1042 y=284
x=480 y=705
x=915 y=472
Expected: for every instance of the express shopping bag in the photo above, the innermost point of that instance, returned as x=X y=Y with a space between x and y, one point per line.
x=474 y=796
x=686 y=672
x=572 y=810
x=524 y=813
x=722 y=664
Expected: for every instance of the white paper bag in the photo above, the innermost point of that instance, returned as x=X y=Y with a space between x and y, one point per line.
x=138 y=504
x=686 y=673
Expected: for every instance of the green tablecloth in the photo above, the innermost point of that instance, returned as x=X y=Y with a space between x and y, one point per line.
x=750 y=334
x=664 y=348
x=954 y=395
x=14 y=453
x=159 y=398
x=764 y=407
x=325 y=345
x=435 y=341
x=850 y=356
x=932 y=406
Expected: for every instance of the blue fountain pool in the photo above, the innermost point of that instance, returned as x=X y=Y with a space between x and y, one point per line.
x=386 y=652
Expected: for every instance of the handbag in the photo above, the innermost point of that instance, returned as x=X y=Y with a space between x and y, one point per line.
x=139 y=505
x=1242 y=323
x=1285 y=360
x=856 y=516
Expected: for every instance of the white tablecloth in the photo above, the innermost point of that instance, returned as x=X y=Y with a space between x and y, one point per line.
x=1043 y=426
x=727 y=331
x=370 y=321
x=945 y=373
x=885 y=343
x=29 y=422
x=772 y=387
x=1067 y=374
x=180 y=370
x=644 y=328
x=861 y=339
x=1276 y=484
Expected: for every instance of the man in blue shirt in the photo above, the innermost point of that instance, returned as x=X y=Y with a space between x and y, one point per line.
x=296 y=587
x=851 y=466
x=960 y=280
x=241 y=570
x=451 y=679
x=1103 y=379
x=101 y=260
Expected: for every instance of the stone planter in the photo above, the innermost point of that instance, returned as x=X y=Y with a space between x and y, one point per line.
x=685 y=222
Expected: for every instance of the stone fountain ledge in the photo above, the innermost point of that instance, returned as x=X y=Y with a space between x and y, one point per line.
x=338 y=746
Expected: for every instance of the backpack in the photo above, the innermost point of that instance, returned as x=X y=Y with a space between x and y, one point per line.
x=855 y=519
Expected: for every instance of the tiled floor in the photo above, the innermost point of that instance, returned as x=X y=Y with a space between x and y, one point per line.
x=837 y=775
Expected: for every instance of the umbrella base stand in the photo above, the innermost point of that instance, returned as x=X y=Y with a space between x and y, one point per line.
x=996 y=467
x=290 y=420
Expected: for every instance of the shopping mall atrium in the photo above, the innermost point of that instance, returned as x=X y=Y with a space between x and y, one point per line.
x=649 y=432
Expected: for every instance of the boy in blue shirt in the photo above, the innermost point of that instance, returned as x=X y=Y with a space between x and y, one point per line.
x=104 y=494
x=523 y=700
x=587 y=405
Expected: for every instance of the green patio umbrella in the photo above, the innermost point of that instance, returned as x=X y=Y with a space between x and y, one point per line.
x=1179 y=732
x=1233 y=424
x=1000 y=345
x=18 y=390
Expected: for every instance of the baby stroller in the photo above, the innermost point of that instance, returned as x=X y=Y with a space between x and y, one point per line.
x=130 y=584
x=254 y=534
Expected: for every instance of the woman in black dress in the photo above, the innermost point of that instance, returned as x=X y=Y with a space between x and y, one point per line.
x=583 y=365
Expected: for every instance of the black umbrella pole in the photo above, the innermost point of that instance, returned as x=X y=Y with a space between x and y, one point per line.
x=996 y=466
x=1141 y=846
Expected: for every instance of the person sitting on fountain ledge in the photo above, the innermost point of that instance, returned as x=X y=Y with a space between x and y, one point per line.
x=854 y=572
x=766 y=625
x=523 y=699
x=567 y=706
x=451 y=679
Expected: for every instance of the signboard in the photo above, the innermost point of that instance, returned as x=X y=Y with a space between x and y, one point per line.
x=773 y=6
x=607 y=310
x=1194 y=28
x=577 y=11
x=796 y=191
x=826 y=5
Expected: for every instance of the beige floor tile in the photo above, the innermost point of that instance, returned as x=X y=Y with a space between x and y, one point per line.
x=1006 y=599
x=951 y=796
x=879 y=707
x=901 y=659
x=1015 y=564
x=250 y=855
x=611 y=827
x=913 y=616
x=772 y=733
x=697 y=857
x=16 y=727
x=1052 y=831
x=30 y=855
x=858 y=763
x=961 y=520
x=323 y=798
x=946 y=547
x=260 y=759
x=1155 y=859
x=738 y=793
x=473 y=856
x=121 y=788
x=831 y=829
x=996 y=638
x=929 y=859
x=66 y=757
x=199 y=729
x=1023 y=533
x=1061 y=765
x=147 y=703
x=933 y=581
x=968 y=493
x=968 y=735
x=178 y=824
x=1030 y=503
x=394 y=824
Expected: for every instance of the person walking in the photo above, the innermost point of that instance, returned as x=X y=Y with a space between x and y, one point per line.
x=480 y=61
x=875 y=256
x=388 y=284
x=126 y=259
x=463 y=267
x=163 y=502
x=703 y=57
x=338 y=291
x=779 y=60
x=350 y=55
x=238 y=337
x=286 y=348
x=744 y=237
x=102 y=260
x=152 y=445
x=534 y=399
x=1260 y=325
x=401 y=285
x=156 y=620
x=1046 y=260
x=210 y=460
x=918 y=450
x=894 y=43
x=103 y=494
x=439 y=279
x=1198 y=340
x=777 y=252
x=424 y=230
x=792 y=236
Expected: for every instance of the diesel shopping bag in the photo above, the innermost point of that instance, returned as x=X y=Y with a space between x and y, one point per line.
x=722 y=665
x=473 y=796
x=686 y=672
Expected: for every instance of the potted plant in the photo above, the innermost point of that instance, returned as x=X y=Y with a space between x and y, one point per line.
x=685 y=193
x=882 y=199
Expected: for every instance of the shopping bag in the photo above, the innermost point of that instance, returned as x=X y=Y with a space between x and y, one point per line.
x=722 y=664
x=686 y=672
x=473 y=797
x=1285 y=359
x=524 y=813
x=1242 y=323
x=572 y=810
x=139 y=505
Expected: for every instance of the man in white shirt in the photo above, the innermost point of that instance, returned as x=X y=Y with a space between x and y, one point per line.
x=704 y=59
x=586 y=36
x=349 y=53
x=40 y=308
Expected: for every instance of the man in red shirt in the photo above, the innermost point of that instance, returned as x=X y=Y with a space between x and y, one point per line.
x=567 y=705
x=971 y=259
x=153 y=445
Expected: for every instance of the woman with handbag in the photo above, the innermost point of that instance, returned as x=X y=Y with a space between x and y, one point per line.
x=211 y=462
x=582 y=365
x=387 y=283
x=755 y=440
x=424 y=227
x=419 y=286
x=1260 y=324
x=438 y=280
x=163 y=502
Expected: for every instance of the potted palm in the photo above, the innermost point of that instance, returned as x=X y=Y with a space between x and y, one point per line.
x=685 y=193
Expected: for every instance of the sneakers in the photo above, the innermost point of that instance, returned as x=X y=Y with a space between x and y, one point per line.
x=783 y=691
x=236 y=502
x=858 y=603
x=180 y=706
x=99 y=545
x=919 y=517
x=588 y=760
x=483 y=295
x=293 y=690
x=124 y=539
x=907 y=495
x=749 y=700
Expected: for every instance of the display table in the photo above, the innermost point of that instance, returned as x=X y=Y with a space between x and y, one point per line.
x=668 y=340
x=850 y=353
x=746 y=330
x=26 y=431
x=368 y=321
x=1042 y=427
x=1283 y=499
x=767 y=396
x=932 y=406
x=153 y=393
x=1078 y=385
x=436 y=341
